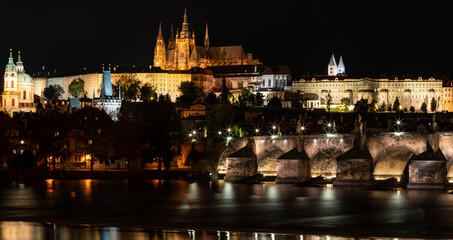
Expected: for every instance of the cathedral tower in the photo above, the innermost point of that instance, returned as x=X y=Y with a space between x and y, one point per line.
x=332 y=68
x=184 y=45
x=160 y=55
x=341 y=69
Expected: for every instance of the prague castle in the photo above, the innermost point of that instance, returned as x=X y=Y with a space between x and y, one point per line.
x=182 y=53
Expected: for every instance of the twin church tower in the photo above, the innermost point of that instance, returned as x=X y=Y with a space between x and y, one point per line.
x=182 y=53
x=336 y=70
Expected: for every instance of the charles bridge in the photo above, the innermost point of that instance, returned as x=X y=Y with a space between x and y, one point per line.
x=353 y=159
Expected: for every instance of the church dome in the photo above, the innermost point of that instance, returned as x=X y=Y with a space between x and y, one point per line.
x=23 y=77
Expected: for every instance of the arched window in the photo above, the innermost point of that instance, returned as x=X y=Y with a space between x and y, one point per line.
x=269 y=82
x=25 y=95
x=12 y=84
x=13 y=102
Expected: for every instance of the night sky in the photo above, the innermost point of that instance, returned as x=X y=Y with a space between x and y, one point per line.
x=375 y=37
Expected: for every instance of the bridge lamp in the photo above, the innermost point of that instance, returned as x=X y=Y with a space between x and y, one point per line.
x=274 y=127
x=194 y=132
x=229 y=129
x=329 y=125
x=330 y=135
x=190 y=135
x=229 y=138
x=257 y=130
x=273 y=137
x=398 y=134
x=302 y=128
x=219 y=132
x=398 y=122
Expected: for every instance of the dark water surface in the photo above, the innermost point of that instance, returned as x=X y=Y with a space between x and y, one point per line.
x=127 y=209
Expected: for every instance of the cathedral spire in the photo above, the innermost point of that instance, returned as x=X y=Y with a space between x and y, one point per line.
x=159 y=35
x=185 y=26
x=341 y=68
x=332 y=68
x=19 y=64
x=206 y=37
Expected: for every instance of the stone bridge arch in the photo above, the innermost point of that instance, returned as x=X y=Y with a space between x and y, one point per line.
x=325 y=163
x=391 y=154
x=267 y=163
x=392 y=162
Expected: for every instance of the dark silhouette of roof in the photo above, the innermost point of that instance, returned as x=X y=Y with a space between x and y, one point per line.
x=279 y=69
x=429 y=154
x=295 y=154
x=356 y=152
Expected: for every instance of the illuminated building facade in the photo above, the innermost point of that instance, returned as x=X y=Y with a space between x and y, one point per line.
x=410 y=91
x=18 y=90
x=181 y=53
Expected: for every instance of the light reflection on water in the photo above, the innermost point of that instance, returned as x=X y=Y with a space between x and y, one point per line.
x=34 y=231
x=154 y=204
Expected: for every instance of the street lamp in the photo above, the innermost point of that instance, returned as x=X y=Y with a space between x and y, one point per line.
x=90 y=142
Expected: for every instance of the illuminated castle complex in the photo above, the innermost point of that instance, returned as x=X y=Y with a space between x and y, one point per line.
x=181 y=53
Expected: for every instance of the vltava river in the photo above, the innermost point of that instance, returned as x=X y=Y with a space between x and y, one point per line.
x=138 y=209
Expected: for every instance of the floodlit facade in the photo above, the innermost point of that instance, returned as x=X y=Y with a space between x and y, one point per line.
x=181 y=53
x=18 y=92
x=410 y=91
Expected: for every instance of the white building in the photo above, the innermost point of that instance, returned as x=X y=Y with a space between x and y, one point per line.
x=111 y=105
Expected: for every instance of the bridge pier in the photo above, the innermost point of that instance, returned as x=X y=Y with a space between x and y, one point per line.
x=293 y=167
x=241 y=164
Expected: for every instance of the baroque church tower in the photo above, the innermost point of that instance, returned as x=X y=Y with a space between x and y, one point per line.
x=17 y=88
x=10 y=95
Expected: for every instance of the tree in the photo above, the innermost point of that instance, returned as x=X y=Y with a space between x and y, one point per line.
x=6 y=125
x=162 y=132
x=424 y=107
x=225 y=92
x=246 y=98
x=361 y=106
x=190 y=93
x=433 y=105
x=328 y=102
x=96 y=125
x=275 y=102
x=130 y=87
x=148 y=93
x=53 y=92
x=345 y=102
x=412 y=109
x=50 y=130
x=396 y=105
x=76 y=88
x=211 y=99
x=373 y=106
x=382 y=107
x=221 y=116
x=295 y=103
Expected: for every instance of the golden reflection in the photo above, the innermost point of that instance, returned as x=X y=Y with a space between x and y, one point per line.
x=50 y=185
x=87 y=186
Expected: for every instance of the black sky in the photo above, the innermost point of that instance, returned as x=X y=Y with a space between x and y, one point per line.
x=375 y=37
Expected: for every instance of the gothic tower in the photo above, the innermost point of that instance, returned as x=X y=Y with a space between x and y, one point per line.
x=10 y=95
x=184 y=45
x=332 y=68
x=160 y=55
x=171 y=41
x=341 y=69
